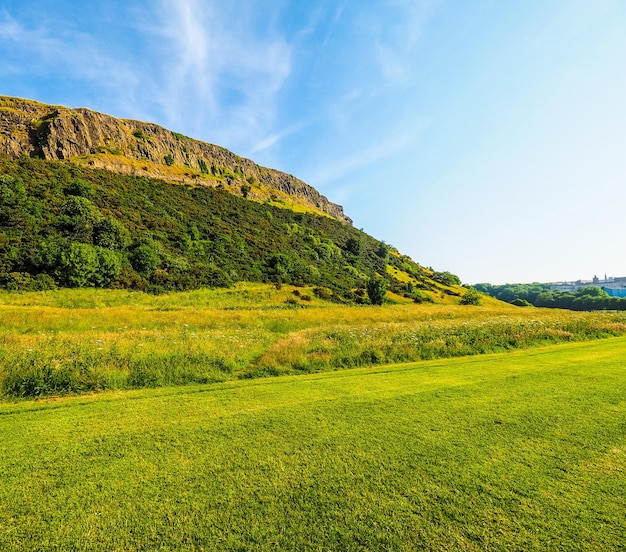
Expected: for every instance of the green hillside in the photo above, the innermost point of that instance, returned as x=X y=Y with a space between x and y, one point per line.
x=70 y=226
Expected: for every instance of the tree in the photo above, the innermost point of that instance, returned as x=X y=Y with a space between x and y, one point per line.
x=472 y=297
x=111 y=234
x=109 y=267
x=80 y=218
x=376 y=289
x=79 y=264
x=145 y=258
x=591 y=291
x=446 y=278
x=354 y=246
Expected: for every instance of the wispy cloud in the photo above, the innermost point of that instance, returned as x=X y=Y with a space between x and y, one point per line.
x=206 y=68
x=10 y=29
x=221 y=68
x=275 y=137
x=338 y=168
x=396 y=37
x=44 y=50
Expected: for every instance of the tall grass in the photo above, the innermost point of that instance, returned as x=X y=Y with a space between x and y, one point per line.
x=68 y=342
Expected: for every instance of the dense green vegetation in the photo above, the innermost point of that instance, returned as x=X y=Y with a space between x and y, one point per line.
x=63 y=225
x=76 y=341
x=587 y=298
x=517 y=451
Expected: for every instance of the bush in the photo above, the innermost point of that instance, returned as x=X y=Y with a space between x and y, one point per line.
x=109 y=267
x=81 y=217
x=111 y=234
x=376 y=289
x=323 y=293
x=145 y=258
x=78 y=264
x=354 y=246
x=80 y=188
x=472 y=297
x=446 y=278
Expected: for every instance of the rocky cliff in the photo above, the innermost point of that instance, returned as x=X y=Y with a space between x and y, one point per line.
x=87 y=137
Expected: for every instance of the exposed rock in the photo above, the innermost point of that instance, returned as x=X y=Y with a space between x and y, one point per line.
x=123 y=145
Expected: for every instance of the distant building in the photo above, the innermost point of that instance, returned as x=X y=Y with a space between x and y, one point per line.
x=615 y=287
x=563 y=287
x=615 y=292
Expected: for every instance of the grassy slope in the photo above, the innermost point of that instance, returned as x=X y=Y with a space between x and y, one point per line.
x=515 y=451
x=72 y=341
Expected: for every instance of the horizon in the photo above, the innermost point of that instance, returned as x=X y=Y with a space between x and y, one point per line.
x=604 y=279
x=485 y=140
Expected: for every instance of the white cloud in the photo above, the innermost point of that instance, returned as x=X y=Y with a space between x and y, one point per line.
x=210 y=69
x=337 y=168
x=42 y=51
x=218 y=68
x=10 y=29
x=396 y=37
x=274 y=138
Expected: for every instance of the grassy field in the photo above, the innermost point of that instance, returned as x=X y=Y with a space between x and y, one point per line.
x=77 y=341
x=517 y=451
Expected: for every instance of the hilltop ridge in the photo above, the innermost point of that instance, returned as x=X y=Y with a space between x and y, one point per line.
x=89 y=138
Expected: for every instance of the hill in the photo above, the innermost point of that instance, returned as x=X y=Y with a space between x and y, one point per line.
x=81 y=205
x=132 y=147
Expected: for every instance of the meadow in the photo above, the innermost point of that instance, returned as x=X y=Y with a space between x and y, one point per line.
x=524 y=450
x=77 y=341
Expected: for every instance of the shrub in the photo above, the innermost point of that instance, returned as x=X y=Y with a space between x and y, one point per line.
x=354 y=246
x=376 y=289
x=472 y=297
x=78 y=264
x=111 y=234
x=80 y=188
x=81 y=216
x=446 y=278
x=138 y=133
x=145 y=258
x=323 y=293
x=109 y=267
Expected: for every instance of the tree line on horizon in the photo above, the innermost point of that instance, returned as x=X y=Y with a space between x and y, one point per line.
x=587 y=298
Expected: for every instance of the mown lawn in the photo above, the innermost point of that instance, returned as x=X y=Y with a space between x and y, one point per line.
x=517 y=451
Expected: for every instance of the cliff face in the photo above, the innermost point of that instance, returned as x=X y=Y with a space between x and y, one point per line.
x=122 y=145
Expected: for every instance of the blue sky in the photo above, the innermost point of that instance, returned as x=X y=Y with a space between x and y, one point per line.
x=484 y=137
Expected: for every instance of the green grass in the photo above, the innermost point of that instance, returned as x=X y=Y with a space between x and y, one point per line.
x=517 y=451
x=77 y=341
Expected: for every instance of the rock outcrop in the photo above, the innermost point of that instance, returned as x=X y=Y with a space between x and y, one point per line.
x=123 y=145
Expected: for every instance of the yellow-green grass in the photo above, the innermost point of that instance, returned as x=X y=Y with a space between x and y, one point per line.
x=76 y=341
x=182 y=174
x=516 y=451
